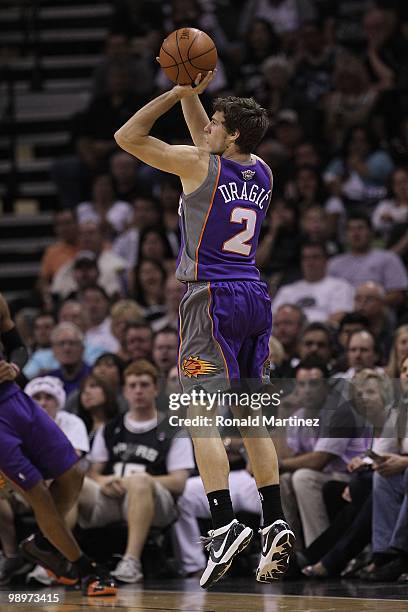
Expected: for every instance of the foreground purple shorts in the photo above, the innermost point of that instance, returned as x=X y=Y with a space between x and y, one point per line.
x=32 y=446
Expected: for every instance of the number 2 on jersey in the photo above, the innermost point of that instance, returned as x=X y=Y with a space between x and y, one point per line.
x=239 y=242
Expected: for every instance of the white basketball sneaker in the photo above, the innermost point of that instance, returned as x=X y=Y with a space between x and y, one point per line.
x=278 y=541
x=223 y=545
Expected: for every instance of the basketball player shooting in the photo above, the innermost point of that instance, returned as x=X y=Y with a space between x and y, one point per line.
x=33 y=449
x=225 y=314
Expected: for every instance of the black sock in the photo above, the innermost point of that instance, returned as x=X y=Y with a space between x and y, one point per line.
x=84 y=566
x=271 y=504
x=42 y=542
x=221 y=508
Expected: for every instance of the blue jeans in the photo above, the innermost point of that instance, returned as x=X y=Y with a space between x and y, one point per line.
x=390 y=512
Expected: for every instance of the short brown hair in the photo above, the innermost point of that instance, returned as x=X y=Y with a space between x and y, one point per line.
x=246 y=116
x=140 y=367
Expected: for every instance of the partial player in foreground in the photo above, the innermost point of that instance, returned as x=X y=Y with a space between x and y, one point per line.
x=225 y=314
x=34 y=449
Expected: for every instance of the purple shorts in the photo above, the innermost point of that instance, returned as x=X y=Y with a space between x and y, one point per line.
x=224 y=333
x=32 y=446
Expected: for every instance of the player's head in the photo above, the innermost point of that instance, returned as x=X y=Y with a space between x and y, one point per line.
x=239 y=122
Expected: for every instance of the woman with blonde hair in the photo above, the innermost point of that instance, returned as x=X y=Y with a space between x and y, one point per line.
x=399 y=351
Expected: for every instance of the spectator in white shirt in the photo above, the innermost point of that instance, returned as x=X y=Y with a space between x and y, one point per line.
x=394 y=210
x=364 y=263
x=321 y=297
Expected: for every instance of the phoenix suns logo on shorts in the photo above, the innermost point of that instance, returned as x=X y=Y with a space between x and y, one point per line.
x=193 y=366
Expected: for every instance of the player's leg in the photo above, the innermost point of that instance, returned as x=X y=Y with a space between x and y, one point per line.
x=13 y=563
x=23 y=424
x=206 y=359
x=278 y=538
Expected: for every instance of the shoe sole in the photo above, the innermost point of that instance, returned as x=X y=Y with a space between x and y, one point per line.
x=269 y=572
x=220 y=569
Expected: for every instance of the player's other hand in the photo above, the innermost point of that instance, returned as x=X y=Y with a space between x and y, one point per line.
x=7 y=371
x=200 y=84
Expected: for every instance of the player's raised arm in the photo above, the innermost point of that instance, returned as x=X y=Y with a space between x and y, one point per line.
x=134 y=136
x=195 y=116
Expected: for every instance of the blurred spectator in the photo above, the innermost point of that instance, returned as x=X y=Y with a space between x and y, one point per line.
x=118 y=52
x=275 y=93
x=350 y=531
x=173 y=381
x=369 y=301
x=92 y=136
x=276 y=356
x=314 y=63
x=351 y=322
x=97 y=403
x=64 y=250
x=321 y=297
x=362 y=172
x=351 y=101
x=147 y=287
x=43 y=325
x=154 y=244
x=145 y=214
x=279 y=249
x=169 y=198
x=49 y=393
x=260 y=42
x=316 y=340
x=317 y=454
x=96 y=263
x=307 y=189
x=174 y=291
x=138 y=341
x=364 y=263
x=165 y=350
x=389 y=213
x=136 y=474
x=123 y=312
x=72 y=311
x=288 y=131
x=43 y=359
x=362 y=352
x=68 y=348
x=385 y=47
x=124 y=169
x=285 y=16
x=113 y=215
x=108 y=369
x=288 y=324
x=399 y=351
x=95 y=302
x=316 y=227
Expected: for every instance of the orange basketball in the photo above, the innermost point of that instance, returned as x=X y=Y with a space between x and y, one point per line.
x=185 y=53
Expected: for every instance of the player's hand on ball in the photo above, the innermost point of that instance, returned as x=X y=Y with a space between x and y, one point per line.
x=7 y=371
x=200 y=84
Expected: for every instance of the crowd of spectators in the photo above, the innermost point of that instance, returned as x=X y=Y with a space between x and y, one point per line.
x=333 y=250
